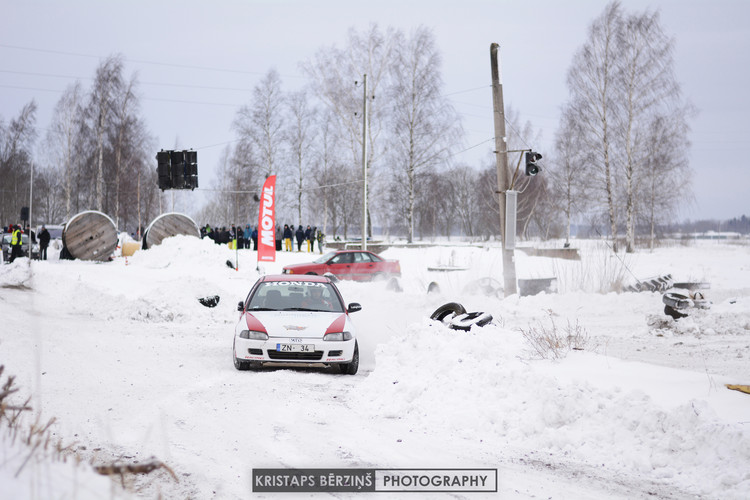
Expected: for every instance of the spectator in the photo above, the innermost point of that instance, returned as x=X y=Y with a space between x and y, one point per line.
x=16 y=244
x=44 y=238
x=255 y=238
x=248 y=234
x=287 y=238
x=308 y=237
x=240 y=238
x=300 y=234
x=313 y=236
x=278 y=238
x=321 y=238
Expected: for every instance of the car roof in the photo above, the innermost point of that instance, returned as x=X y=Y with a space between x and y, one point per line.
x=297 y=277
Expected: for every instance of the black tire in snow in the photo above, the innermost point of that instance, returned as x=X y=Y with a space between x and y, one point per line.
x=446 y=310
x=467 y=320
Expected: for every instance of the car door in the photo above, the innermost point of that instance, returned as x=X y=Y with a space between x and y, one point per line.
x=341 y=265
x=363 y=268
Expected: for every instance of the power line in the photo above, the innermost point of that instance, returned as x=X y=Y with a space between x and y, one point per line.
x=139 y=61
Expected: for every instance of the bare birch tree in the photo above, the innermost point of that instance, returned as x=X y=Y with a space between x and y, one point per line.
x=666 y=185
x=592 y=82
x=260 y=125
x=620 y=81
x=301 y=135
x=425 y=127
x=649 y=86
x=569 y=172
x=62 y=137
x=107 y=82
x=333 y=72
x=16 y=144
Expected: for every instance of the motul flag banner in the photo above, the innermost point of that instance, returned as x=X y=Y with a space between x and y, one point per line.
x=267 y=222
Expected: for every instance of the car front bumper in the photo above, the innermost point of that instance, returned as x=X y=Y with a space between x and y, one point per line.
x=267 y=351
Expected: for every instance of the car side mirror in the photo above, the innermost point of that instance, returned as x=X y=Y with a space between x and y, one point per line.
x=354 y=307
x=240 y=306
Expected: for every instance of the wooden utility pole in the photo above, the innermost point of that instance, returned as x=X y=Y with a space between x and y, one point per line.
x=364 y=165
x=501 y=154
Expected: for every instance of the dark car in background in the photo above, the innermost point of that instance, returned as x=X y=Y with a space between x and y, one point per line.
x=358 y=265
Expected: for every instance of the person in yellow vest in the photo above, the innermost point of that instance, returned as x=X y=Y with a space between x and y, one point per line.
x=16 y=248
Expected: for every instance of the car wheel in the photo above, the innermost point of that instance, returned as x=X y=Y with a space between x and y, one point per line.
x=466 y=320
x=378 y=277
x=445 y=310
x=238 y=363
x=241 y=365
x=351 y=368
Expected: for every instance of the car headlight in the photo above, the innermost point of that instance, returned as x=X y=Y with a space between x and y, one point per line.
x=250 y=334
x=339 y=336
x=287 y=271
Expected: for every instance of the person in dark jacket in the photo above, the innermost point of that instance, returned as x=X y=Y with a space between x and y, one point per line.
x=308 y=237
x=313 y=237
x=44 y=238
x=254 y=236
x=287 y=238
x=240 y=238
x=278 y=237
x=300 y=234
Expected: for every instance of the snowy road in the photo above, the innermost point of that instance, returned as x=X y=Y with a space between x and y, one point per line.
x=132 y=367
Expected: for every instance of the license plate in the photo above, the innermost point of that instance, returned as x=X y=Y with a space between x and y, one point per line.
x=295 y=347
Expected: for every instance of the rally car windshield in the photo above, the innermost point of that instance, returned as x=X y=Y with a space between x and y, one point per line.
x=295 y=296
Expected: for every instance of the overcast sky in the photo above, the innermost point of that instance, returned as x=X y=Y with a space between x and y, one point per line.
x=198 y=61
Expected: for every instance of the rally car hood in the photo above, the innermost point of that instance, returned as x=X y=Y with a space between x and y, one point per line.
x=299 y=324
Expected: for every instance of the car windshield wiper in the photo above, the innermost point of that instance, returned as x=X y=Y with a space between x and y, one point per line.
x=301 y=309
x=263 y=309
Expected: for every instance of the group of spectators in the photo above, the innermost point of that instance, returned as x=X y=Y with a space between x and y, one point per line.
x=305 y=237
x=247 y=238
x=16 y=241
x=243 y=238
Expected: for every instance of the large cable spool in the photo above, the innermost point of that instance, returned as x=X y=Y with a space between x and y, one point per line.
x=167 y=225
x=90 y=235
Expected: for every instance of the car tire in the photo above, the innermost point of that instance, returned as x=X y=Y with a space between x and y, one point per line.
x=445 y=310
x=676 y=300
x=238 y=363
x=351 y=368
x=241 y=365
x=467 y=320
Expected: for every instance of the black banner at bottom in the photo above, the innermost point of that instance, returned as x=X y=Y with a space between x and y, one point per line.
x=374 y=480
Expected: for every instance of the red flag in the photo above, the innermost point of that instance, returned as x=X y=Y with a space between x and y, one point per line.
x=267 y=222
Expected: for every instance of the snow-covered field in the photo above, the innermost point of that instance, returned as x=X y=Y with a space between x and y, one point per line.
x=132 y=368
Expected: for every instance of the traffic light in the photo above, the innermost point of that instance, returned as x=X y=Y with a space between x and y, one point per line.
x=531 y=167
x=162 y=169
x=191 y=172
x=177 y=169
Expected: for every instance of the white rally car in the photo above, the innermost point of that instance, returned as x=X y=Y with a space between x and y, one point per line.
x=300 y=320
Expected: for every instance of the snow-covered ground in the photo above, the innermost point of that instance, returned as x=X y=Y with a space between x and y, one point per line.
x=133 y=368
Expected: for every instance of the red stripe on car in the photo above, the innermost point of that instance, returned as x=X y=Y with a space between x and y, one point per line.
x=254 y=324
x=337 y=325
